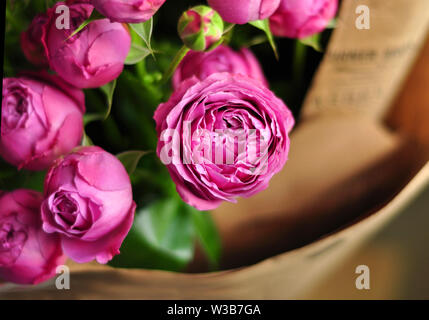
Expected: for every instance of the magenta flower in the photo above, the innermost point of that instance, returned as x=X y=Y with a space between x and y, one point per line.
x=221 y=59
x=91 y=58
x=222 y=138
x=40 y=120
x=89 y=203
x=27 y=254
x=130 y=11
x=244 y=11
x=302 y=18
x=31 y=42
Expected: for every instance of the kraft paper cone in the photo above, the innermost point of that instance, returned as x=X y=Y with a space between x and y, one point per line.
x=363 y=69
x=287 y=276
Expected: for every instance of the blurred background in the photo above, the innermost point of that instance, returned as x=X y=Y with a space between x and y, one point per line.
x=397 y=255
x=398 y=258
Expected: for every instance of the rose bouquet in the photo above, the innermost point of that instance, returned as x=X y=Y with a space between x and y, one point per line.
x=118 y=134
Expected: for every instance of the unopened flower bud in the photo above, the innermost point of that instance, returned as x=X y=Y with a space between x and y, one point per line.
x=201 y=28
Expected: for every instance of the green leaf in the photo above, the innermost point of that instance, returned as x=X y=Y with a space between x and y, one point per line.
x=137 y=53
x=91 y=117
x=162 y=237
x=86 y=140
x=228 y=27
x=255 y=41
x=33 y=180
x=208 y=236
x=138 y=121
x=174 y=64
x=130 y=159
x=109 y=90
x=227 y=33
x=332 y=24
x=264 y=25
x=144 y=30
x=11 y=178
x=150 y=180
x=313 y=42
x=95 y=15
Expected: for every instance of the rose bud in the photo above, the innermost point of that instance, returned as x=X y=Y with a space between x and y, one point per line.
x=241 y=12
x=200 y=28
x=31 y=42
x=89 y=203
x=129 y=11
x=28 y=255
x=222 y=138
x=302 y=18
x=222 y=59
x=40 y=120
x=91 y=58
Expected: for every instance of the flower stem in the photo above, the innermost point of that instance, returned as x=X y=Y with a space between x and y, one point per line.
x=300 y=56
x=174 y=64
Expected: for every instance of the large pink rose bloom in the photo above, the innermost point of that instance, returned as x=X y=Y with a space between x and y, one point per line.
x=89 y=203
x=222 y=138
x=130 y=11
x=91 y=58
x=40 y=120
x=221 y=59
x=302 y=18
x=244 y=11
x=28 y=255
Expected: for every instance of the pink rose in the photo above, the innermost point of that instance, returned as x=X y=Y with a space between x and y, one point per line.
x=31 y=42
x=302 y=18
x=28 y=255
x=91 y=58
x=244 y=11
x=89 y=203
x=130 y=11
x=221 y=59
x=222 y=138
x=40 y=120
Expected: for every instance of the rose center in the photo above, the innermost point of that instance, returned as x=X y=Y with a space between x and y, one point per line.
x=67 y=209
x=67 y=206
x=15 y=112
x=21 y=106
x=12 y=240
x=233 y=123
x=71 y=214
x=11 y=237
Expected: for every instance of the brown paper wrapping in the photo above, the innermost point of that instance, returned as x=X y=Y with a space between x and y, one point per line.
x=348 y=175
x=363 y=69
